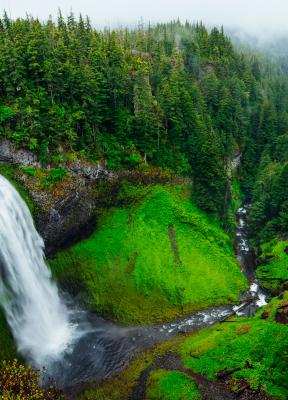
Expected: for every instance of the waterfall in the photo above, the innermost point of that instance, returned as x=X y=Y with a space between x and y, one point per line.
x=89 y=347
x=38 y=319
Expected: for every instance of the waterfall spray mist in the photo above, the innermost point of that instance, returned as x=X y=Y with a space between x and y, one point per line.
x=39 y=320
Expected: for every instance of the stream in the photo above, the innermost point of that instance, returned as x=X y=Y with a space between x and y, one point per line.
x=76 y=346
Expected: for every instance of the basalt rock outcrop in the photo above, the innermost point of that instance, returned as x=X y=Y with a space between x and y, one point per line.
x=68 y=211
x=10 y=153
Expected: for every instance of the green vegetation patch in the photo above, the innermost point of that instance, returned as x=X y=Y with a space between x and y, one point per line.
x=237 y=195
x=154 y=260
x=10 y=171
x=237 y=198
x=171 y=385
x=253 y=349
x=275 y=270
x=7 y=346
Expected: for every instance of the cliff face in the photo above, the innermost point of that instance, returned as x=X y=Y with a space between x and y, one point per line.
x=68 y=220
x=66 y=210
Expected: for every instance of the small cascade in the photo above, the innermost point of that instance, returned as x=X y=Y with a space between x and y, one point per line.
x=255 y=294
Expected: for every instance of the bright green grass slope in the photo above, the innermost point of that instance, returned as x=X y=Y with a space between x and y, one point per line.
x=129 y=271
x=275 y=270
x=171 y=385
x=255 y=346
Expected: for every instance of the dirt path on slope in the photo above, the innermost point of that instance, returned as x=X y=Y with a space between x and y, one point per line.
x=209 y=390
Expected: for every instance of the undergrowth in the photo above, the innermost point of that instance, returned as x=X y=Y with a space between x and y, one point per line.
x=274 y=271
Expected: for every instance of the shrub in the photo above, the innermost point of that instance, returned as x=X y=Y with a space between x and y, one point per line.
x=19 y=382
x=31 y=171
x=55 y=175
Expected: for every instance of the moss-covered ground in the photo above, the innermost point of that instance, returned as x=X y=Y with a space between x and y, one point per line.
x=171 y=385
x=153 y=259
x=273 y=274
x=255 y=349
x=251 y=350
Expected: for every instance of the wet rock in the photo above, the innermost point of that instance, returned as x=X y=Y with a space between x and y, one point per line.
x=67 y=221
x=91 y=171
x=8 y=152
x=265 y=315
x=281 y=317
x=5 y=151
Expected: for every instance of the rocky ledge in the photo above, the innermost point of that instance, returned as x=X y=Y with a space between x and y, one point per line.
x=67 y=211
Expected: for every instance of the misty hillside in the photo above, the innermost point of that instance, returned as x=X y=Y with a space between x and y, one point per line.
x=154 y=163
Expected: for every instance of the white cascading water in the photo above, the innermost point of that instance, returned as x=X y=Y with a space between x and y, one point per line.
x=39 y=320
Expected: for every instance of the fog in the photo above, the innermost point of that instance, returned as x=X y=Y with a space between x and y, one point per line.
x=263 y=18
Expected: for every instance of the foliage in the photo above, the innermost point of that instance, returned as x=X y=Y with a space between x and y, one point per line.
x=7 y=346
x=269 y=213
x=6 y=113
x=30 y=171
x=18 y=382
x=170 y=95
x=273 y=271
x=55 y=175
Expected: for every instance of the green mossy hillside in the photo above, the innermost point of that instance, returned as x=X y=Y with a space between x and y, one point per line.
x=253 y=349
x=153 y=260
x=274 y=271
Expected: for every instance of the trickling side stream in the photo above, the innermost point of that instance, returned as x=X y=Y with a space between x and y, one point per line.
x=76 y=346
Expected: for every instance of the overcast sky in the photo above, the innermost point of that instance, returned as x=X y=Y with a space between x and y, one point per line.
x=255 y=16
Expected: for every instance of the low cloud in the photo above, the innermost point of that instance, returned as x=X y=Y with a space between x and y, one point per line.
x=264 y=18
